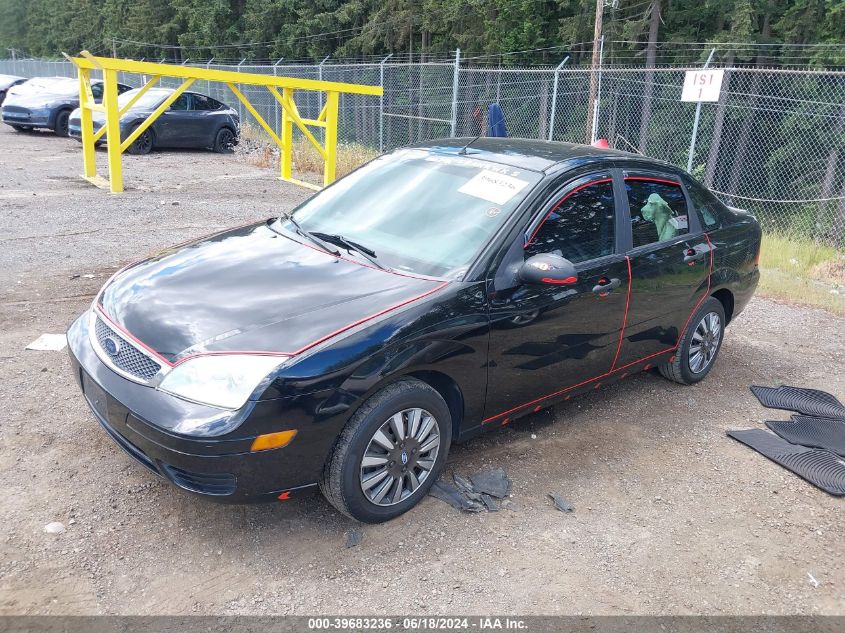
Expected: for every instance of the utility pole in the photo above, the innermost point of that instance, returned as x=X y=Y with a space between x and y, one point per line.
x=113 y=48
x=597 y=32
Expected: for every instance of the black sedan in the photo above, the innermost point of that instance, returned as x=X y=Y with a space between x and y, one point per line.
x=6 y=82
x=46 y=102
x=437 y=292
x=192 y=121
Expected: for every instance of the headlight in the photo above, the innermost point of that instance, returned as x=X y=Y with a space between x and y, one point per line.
x=224 y=381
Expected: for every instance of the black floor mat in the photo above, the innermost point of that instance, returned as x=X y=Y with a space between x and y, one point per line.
x=821 y=468
x=809 y=431
x=806 y=401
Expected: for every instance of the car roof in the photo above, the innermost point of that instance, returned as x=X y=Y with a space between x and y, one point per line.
x=170 y=91
x=535 y=155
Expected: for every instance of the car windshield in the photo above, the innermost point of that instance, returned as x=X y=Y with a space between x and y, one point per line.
x=419 y=211
x=149 y=100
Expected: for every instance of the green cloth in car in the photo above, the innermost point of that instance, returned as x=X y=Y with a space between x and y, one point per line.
x=658 y=211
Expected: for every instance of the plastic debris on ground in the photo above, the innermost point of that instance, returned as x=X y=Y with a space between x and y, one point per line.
x=49 y=343
x=478 y=493
x=561 y=504
x=354 y=537
x=492 y=482
x=454 y=497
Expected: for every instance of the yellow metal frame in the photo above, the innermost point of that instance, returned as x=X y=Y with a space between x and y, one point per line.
x=282 y=89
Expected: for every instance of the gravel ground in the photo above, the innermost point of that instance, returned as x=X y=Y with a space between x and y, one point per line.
x=671 y=516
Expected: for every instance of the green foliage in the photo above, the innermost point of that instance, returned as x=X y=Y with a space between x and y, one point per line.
x=298 y=29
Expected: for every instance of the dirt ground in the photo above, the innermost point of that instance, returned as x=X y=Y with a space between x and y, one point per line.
x=672 y=517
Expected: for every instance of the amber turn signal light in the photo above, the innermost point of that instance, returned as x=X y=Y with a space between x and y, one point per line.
x=272 y=440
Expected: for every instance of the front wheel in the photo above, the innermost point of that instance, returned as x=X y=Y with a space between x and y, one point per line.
x=390 y=453
x=700 y=345
x=62 y=119
x=143 y=144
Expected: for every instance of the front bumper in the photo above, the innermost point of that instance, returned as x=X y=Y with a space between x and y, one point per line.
x=223 y=469
x=17 y=115
x=74 y=130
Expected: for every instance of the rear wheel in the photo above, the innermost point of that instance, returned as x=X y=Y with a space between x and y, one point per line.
x=143 y=144
x=700 y=345
x=390 y=453
x=62 y=119
x=224 y=142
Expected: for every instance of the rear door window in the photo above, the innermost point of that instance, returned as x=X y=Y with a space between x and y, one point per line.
x=201 y=102
x=707 y=206
x=658 y=209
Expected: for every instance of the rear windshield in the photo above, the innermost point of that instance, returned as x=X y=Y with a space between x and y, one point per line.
x=422 y=212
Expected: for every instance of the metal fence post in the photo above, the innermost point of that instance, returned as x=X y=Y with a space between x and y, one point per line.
x=455 y=76
x=240 y=106
x=691 y=155
x=208 y=67
x=320 y=96
x=381 y=103
x=275 y=101
x=554 y=97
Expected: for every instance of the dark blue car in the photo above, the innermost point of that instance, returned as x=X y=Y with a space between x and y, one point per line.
x=46 y=102
x=193 y=121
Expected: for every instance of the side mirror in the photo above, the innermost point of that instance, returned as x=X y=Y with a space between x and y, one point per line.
x=548 y=268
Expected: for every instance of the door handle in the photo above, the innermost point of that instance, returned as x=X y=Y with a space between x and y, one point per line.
x=691 y=256
x=604 y=286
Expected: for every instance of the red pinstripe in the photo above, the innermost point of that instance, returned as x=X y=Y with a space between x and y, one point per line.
x=614 y=370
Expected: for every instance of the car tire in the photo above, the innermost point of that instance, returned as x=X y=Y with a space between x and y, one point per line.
x=700 y=344
x=411 y=405
x=224 y=141
x=143 y=144
x=62 y=118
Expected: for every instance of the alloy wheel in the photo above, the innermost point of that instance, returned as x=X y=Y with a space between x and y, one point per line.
x=144 y=143
x=705 y=342
x=400 y=456
x=227 y=140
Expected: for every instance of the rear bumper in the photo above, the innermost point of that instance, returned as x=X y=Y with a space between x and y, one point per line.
x=224 y=470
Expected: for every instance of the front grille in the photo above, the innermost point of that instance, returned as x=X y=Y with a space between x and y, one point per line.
x=127 y=358
x=217 y=484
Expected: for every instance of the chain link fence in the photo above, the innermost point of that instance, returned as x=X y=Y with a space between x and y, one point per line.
x=773 y=144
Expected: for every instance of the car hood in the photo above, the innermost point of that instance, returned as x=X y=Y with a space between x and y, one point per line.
x=250 y=289
x=98 y=118
x=38 y=99
x=6 y=81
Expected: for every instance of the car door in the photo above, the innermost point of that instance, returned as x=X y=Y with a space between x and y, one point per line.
x=207 y=120
x=173 y=127
x=546 y=338
x=670 y=262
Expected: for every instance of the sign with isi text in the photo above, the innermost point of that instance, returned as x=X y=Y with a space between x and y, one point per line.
x=702 y=85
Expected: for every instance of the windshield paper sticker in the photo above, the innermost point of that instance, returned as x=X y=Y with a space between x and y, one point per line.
x=493 y=187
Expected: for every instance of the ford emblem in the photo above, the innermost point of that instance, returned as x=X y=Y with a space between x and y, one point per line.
x=111 y=346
